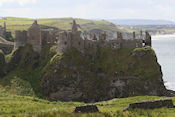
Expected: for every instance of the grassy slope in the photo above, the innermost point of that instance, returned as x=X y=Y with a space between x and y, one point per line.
x=12 y=105
x=61 y=23
x=23 y=79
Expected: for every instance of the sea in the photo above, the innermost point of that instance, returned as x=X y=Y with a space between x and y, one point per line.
x=164 y=46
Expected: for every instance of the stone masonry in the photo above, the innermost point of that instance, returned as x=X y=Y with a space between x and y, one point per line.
x=37 y=37
x=4 y=33
x=73 y=39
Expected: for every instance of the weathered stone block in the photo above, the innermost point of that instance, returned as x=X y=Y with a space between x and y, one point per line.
x=86 y=109
x=153 y=104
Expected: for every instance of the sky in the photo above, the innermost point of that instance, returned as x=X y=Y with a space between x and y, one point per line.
x=90 y=9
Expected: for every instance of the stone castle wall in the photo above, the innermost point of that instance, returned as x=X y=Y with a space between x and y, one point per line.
x=21 y=38
x=48 y=36
x=37 y=37
x=1 y=31
x=64 y=41
x=4 y=33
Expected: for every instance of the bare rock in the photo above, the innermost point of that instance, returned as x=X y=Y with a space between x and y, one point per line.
x=86 y=109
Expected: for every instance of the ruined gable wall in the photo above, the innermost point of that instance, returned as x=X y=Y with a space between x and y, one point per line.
x=34 y=34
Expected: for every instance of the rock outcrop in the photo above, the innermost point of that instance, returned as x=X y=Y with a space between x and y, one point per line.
x=102 y=74
x=153 y=104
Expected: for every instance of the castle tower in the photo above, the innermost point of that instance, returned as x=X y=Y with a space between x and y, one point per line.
x=34 y=37
x=74 y=27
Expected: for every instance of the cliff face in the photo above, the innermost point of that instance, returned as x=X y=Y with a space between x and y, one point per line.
x=102 y=74
x=95 y=75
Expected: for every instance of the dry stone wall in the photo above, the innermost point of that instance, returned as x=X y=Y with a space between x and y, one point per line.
x=153 y=104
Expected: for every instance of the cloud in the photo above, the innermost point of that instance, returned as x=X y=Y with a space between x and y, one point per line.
x=20 y=2
x=105 y=9
x=170 y=85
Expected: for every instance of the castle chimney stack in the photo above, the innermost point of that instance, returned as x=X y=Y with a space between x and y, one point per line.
x=35 y=22
x=141 y=35
x=74 y=27
x=134 y=35
x=4 y=25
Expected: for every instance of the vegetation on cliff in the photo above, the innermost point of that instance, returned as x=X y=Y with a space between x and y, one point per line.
x=24 y=69
x=93 y=75
x=88 y=76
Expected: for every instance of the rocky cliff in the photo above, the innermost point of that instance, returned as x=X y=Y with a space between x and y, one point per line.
x=102 y=74
x=95 y=75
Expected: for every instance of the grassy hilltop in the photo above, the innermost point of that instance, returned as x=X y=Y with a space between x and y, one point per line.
x=61 y=23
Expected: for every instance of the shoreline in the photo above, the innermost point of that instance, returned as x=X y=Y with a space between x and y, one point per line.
x=164 y=35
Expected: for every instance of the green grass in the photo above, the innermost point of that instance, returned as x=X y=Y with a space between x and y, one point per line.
x=12 y=105
x=14 y=23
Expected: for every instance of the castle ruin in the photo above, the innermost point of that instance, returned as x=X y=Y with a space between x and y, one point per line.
x=38 y=37
x=74 y=39
x=4 y=33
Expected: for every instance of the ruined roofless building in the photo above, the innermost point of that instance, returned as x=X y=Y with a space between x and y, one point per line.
x=35 y=36
x=3 y=30
x=72 y=39
x=4 y=33
x=38 y=37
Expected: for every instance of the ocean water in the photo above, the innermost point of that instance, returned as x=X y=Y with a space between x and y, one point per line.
x=164 y=46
